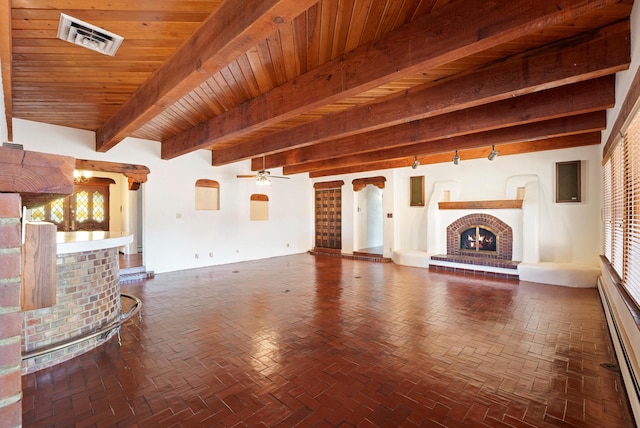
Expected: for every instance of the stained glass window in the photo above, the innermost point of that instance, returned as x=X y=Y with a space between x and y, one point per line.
x=98 y=206
x=82 y=206
x=37 y=214
x=57 y=211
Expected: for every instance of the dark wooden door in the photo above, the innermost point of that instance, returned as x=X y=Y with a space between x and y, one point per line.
x=86 y=209
x=329 y=218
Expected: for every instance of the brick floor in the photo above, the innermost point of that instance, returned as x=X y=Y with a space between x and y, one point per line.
x=322 y=342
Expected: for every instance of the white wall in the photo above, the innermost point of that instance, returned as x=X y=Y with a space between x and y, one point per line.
x=174 y=232
x=569 y=232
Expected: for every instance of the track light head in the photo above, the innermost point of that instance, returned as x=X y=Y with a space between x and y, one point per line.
x=493 y=154
x=456 y=158
x=416 y=162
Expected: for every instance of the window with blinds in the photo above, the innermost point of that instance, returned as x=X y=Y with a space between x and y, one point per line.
x=632 y=207
x=617 y=208
x=621 y=209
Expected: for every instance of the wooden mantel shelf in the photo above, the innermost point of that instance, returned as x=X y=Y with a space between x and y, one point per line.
x=475 y=205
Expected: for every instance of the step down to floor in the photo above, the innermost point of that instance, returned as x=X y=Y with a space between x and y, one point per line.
x=367 y=257
x=136 y=273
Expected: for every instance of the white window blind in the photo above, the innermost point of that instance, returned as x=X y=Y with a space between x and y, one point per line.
x=631 y=278
x=606 y=210
x=618 y=208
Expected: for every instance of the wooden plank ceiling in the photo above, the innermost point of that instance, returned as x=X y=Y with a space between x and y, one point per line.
x=323 y=87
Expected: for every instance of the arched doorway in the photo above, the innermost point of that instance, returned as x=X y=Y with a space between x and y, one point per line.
x=368 y=224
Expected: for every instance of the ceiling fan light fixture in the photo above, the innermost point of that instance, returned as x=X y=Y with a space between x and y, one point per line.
x=262 y=178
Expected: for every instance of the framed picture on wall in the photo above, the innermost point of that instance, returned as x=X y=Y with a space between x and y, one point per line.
x=568 y=188
x=417 y=191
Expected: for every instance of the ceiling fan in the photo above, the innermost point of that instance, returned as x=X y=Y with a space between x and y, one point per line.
x=263 y=177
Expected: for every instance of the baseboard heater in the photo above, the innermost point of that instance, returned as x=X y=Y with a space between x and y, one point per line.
x=624 y=333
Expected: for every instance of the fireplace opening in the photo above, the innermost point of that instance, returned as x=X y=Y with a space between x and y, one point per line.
x=478 y=238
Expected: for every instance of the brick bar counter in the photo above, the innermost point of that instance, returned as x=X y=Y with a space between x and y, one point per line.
x=87 y=299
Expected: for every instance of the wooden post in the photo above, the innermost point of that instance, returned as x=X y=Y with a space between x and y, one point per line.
x=39 y=266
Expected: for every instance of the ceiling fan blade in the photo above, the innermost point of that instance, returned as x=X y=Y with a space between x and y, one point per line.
x=246 y=176
x=277 y=176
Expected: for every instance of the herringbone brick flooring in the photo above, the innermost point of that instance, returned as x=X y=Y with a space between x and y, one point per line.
x=323 y=342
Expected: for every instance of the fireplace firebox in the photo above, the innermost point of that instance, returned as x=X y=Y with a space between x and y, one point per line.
x=480 y=235
x=478 y=238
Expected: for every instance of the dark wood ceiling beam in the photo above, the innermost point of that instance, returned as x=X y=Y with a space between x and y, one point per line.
x=579 y=58
x=568 y=100
x=557 y=143
x=572 y=125
x=449 y=33
x=229 y=32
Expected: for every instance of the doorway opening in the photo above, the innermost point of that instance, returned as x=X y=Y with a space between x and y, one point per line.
x=369 y=230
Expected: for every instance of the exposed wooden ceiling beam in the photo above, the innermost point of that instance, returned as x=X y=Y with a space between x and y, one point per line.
x=580 y=58
x=581 y=124
x=449 y=33
x=578 y=98
x=229 y=32
x=565 y=142
x=5 y=60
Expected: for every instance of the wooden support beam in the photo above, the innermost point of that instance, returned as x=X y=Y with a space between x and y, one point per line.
x=447 y=34
x=572 y=125
x=584 y=97
x=579 y=58
x=566 y=142
x=37 y=177
x=233 y=29
x=136 y=174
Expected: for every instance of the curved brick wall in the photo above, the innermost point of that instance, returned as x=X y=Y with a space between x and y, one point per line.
x=504 y=249
x=87 y=298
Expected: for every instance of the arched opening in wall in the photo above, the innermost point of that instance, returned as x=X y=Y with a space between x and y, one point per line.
x=368 y=224
x=259 y=207
x=207 y=195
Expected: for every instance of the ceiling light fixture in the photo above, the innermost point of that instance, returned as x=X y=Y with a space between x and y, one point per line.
x=493 y=154
x=81 y=176
x=262 y=179
x=456 y=158
x=416 y=162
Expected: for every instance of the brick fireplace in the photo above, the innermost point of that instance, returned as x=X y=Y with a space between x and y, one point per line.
x=462 y=256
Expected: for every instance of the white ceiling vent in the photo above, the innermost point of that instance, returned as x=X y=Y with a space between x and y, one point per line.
x=89 y=36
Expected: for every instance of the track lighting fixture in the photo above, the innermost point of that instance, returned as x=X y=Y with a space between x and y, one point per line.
x=493 y=153
x=416 y=162
x=456 y=158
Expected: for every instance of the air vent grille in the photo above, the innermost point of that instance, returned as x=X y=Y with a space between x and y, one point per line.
x=88 y=36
